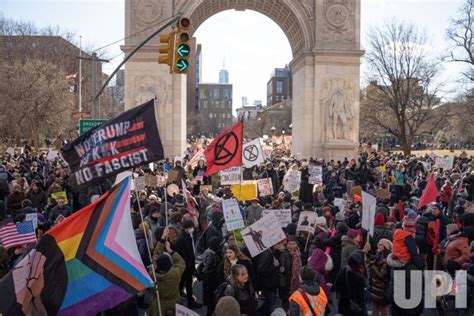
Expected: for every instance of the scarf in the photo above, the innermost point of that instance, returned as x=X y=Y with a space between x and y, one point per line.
x=295 y=269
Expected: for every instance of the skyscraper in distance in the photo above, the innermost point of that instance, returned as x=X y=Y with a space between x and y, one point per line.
x=223 y=75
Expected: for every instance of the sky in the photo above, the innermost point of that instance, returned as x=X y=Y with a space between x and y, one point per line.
x=251 y=43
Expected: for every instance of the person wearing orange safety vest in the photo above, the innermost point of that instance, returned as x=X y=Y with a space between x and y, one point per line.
x=309 y=299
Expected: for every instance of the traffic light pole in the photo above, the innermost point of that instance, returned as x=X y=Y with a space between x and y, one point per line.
x=172 y=21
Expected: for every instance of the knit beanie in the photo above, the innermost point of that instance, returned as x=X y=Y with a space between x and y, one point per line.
x=227 y=306
x=451 y=228
x=307 y=274
x=409 y=224
x=387 y=244
x=352 y=233
x=379 y=219
x=322 y=223
x=163 y=264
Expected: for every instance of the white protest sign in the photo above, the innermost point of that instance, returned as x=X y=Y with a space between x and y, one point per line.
x=183 y=311
x=339 y=203
x=122 y=175
x=263 y=234
x=252 y=153
x=265 y=187
x=52 y=155
x=283 y=215
x=294 y=180
x=369 y=204
x=315 y=175
x=232 y=215
x=231 y=176
x=445 y=163
x=10 y=151
x=32 y=217
x=307 y=221
x=139 y=183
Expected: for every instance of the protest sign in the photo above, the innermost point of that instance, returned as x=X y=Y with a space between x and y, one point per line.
x=139 y=183
x=307 y=221
x=173 y=176
x=58 y=195
x=252 y=154
x=183 y=311
x=244 y=191
x=339 y=203
x=263 y=234
x=232 y=215
x=445 y=163
x=383 y=194
x=283 y=215
x=124 y=142
x=265 y=187
x=238 y=236
x=231 y=176
x=162 y=180
x=52 y=155
x=294 y=180
x=33 y=217
x=315 y=175
x=381 y=168
x=150 y=180
x=369 y=204
x=206 y=187
x=10 y=151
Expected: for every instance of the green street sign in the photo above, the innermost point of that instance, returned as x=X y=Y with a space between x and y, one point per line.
x=87 y=124
x=183 y=50
x=182 y=65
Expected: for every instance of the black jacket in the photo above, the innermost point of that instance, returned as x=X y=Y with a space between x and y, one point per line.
x=184 y=246
x=38 y=199
x=267 y=272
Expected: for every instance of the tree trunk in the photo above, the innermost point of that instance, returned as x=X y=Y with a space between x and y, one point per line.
x=406 y=145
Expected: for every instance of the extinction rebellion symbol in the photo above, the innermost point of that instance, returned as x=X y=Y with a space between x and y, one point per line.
x=251 y=153
x=226 y=148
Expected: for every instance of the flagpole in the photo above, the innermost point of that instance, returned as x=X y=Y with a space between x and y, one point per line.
x=166 y=205
x=80 y=74
x=148 y=247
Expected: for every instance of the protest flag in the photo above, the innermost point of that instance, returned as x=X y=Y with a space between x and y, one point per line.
x=86 y=264
x=225 y=150
x=430 y=193
x=127 y=141
x=19 y=234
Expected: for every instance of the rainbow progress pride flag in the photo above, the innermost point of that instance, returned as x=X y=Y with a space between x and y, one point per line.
x=84 y=265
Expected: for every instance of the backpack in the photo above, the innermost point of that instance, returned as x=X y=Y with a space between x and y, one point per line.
x=220 y=291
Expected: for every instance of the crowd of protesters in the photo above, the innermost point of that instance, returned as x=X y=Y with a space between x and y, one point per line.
x=338 y=268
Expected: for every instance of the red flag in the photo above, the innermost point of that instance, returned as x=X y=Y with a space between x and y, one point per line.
x=430 y=193
x=225 y=150
x=401 y=210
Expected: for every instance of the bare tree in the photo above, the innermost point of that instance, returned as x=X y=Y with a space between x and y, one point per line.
x=461 y=35
x=403 y=94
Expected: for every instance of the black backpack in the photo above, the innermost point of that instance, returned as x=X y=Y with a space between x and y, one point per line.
x=220 y=291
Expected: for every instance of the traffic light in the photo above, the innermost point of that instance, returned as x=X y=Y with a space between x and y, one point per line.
x=167 y=51
x=182 y=50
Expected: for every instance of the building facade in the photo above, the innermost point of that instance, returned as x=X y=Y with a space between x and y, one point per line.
x=215 y=108
x=279 y=86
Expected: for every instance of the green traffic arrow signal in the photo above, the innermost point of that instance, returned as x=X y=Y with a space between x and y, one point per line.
x=183 y=50
x=182 y=65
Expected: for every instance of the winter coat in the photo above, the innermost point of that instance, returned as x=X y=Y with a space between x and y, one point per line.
x=210 y=263
x=184 y=246
x=14 y=201
x=254 y=213
x=352 y=220
x=380 y=232
x=284 y=270
x=168 y=287
x=379 y=280
x=447 y=191
x=57 y=210
x=319 y=236
x=457 y=249
x=335 y=243
x=311 y=288
x=267 y=272
x=38 y=199
x=245 y=296
x=321 y=264
x=142 y=249
x=355 y=291
x=348 y=247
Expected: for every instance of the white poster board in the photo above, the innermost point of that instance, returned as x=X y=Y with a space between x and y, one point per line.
x=252 y=153
x=10 y=151
x=265 y=187
x=183 y=311
x=307 y=222
x=263 y=234
x=369 y=204
x=52 y=155
x=231 y=176
x=283 y=216
x=445 y=163
x=339 y=203
x=232 y=215
x=315 y=175
x=294 y=180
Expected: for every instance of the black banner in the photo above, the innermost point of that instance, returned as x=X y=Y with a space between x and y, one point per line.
x=129 y=140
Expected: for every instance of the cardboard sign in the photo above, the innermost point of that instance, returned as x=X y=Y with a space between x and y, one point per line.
x=445 y=163
x=381 y=168
x=356 y=190
x=183 y=311
x=244 y=191
x=294 y=180
x=139 y=183
x=383 y=194
x=52 y=155
x=231 y=176
x=232 y=215
x=283 y=216
x=58 y=195
x=263 y=234
x=206 y=187
x=151 y=180
x=173 y=176
x=265 y=187
x=369 y=205
x=307 y=222
x=315 y=175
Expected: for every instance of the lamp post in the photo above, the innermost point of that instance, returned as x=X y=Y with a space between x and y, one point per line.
x=283 y=135
x=273 y=133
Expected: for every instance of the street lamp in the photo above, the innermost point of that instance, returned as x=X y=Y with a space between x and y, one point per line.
x=283 y=134
x=273 y=133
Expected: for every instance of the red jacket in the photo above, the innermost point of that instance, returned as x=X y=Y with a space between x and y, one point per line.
x=447 y=192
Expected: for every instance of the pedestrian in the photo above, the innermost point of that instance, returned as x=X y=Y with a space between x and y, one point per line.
x=380 y=290
x=308 y=299
x=233 y=256
x=284 y=273
x=210 y=263
x=349 y=243
x=240 y=288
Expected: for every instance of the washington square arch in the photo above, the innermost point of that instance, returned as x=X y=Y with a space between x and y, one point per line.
x=324 y=36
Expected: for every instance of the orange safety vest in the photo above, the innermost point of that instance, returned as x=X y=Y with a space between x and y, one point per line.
x=318 y=302
x=400 y=250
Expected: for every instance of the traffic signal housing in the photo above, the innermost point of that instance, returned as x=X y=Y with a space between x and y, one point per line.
x=182 y=48
x=167 y=50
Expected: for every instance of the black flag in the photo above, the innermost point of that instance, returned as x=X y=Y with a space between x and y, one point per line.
x=129 y=140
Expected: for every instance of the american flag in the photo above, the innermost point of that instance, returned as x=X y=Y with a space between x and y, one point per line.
x=19 y=234
x=199 y=155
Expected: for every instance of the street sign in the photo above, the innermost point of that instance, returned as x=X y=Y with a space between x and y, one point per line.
x=87 y=124
x=79 y=115
x=182 y=65
x=183 y=50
